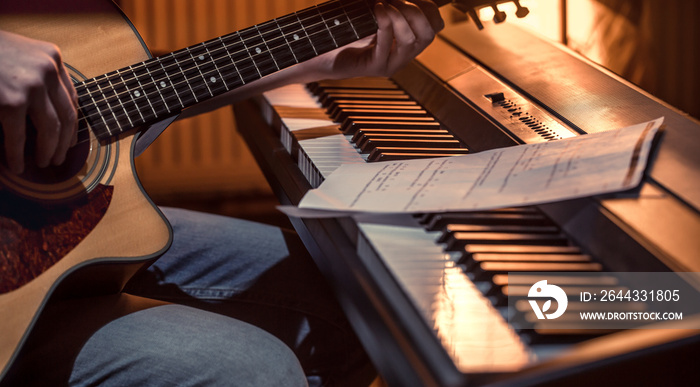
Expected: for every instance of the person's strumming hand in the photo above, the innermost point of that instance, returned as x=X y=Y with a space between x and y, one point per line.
x=34 y=84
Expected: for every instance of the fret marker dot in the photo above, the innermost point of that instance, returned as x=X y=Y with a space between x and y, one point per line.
x=162 y=84
x=137 y=93
x=258 y=50
x=337 y=22
x=201 y=57
x=296 y=37
x=212 y=79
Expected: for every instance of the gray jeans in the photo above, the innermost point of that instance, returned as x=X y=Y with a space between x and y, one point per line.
x=247 y=307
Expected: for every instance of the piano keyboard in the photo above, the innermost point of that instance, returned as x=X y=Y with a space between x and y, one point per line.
x=454 y=267
x=426 y=294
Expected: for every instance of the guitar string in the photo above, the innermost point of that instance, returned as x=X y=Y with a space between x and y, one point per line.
x=216 y=70
x=257 y=38
x=227 y=53
x=299 y=21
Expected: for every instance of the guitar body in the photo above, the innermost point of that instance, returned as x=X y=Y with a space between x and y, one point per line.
x=86 y=233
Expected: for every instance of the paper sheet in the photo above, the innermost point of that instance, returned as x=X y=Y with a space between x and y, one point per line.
x=520 y=175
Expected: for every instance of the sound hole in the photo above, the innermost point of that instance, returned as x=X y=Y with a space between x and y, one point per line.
x=75 y=158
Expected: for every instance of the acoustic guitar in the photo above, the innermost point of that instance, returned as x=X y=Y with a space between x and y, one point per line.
x=86 y=226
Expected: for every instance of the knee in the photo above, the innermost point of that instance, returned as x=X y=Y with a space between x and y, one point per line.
x=175 y=345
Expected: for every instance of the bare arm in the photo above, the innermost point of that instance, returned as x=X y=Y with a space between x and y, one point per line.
x=405 y=29
x=35 y=85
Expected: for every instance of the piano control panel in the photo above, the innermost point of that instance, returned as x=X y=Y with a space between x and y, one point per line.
x=512 y=111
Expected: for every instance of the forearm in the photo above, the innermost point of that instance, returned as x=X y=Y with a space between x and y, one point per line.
x=404 y=29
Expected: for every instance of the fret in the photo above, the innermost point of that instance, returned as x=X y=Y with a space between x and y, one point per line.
x=357 y=36
x=211 y=78
x=325 y=25
x=144 y=96
x=297 y=38
x=137 y=94
x=246 y=49
x=153 y=88
x=228 y=64
x=121 y=95
x=189 y=71
x=212 y=63
x=91 y=111
x=240 y=57
x=285 y=38
x=165 y=88
x=277 y=44
x=316 y=30
x=266 y=48
x=176 y=80
x=361 y=18
x=337 y=23
x=108 y=93
x=194 y=75
x=258 y=51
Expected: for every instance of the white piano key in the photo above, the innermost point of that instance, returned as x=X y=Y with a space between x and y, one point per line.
x=296 y=123
x=328 y=153
x=292 y=96
x=471 y=330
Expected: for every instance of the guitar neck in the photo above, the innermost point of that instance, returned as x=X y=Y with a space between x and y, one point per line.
x=161 y=87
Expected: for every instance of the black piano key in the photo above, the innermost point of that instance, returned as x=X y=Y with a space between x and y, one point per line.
x=417 y=132
x=503 y=295
x=328 y=98
x=338 y=112
x=409 y=143
x=521 y=249
x=453 y=228
x=572 y=292
x=493 y=287
x=353 y=124
x=511 y=257
x=440 y=221
x=486 y=270
x=457 y=241
x=353 y=83
x=427 y=138
x=346 y=104
x=405 y=113
x=499 y=283
x=370 y=91
x=427 y=217
x=604 y=280
x=535 y=331
x=379 y=153
x=474 y=262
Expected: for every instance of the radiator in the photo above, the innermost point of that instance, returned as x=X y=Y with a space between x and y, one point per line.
x=204 y=154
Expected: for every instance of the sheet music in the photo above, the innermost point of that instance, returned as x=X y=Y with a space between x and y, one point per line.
x=585 y=165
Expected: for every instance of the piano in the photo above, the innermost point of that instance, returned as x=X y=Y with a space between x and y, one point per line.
x=424 y=292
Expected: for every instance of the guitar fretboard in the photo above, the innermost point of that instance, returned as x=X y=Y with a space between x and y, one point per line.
x=161 y=87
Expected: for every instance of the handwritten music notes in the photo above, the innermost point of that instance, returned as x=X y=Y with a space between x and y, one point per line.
x=520 y=175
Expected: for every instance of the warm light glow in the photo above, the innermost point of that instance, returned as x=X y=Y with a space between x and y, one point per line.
x=583 y=34
x=544 y=17
x=476 y=341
